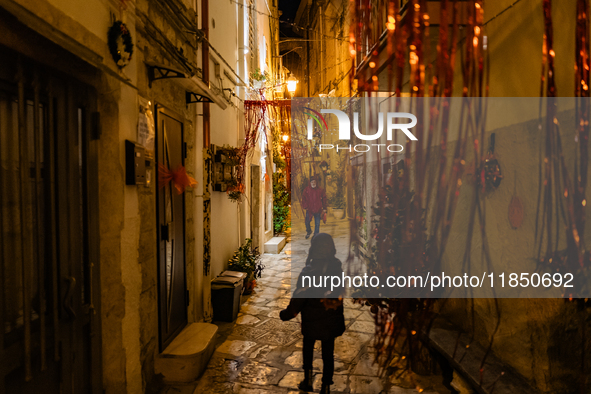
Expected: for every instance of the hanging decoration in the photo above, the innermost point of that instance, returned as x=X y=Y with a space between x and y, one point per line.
x=490 y=172
x=120 y=44
x=403 y=243
x=178 y=177
x=256 y=113
x=515 y=208
x=562 y=198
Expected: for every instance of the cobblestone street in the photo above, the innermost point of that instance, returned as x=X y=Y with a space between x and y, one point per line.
x=260 y=354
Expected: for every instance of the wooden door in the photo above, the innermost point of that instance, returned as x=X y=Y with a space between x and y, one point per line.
x=49 y=292
x=172 y=289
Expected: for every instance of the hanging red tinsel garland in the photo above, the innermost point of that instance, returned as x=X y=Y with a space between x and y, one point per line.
x=400 y=323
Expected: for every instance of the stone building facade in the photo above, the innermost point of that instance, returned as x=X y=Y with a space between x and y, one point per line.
x=101 y=272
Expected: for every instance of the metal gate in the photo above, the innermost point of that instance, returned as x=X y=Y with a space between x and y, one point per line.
x=49 y=294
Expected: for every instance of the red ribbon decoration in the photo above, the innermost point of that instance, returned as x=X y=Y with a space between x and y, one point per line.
x=179 y=177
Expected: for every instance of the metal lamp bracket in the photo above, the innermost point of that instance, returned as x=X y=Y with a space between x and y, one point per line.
x=159 y=72
x=192 y=97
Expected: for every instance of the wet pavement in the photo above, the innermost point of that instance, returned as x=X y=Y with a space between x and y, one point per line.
x=260 y=354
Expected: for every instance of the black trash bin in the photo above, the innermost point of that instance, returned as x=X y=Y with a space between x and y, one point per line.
x=225 y=295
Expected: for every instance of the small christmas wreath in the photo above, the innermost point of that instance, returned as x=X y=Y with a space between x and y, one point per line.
x=120 y=44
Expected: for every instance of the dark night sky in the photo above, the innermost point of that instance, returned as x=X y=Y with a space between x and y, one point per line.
x=289 y=8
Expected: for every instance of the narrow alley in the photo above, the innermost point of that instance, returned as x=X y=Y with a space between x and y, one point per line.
x=260 y=354
x=169 y=169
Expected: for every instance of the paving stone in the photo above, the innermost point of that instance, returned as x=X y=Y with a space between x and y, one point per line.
x=351 y=313
x=279 y=303
x=234 y=347
x=349 y=303
x=254 y=310
x=279 y=338
x=269 y=283
x=291 y=379
x=262 y=351
x=225 y=373
x=317 y=345
x=276 y=324
x=216 y=388
x=241 y=388
x=365 y=384
x=248 y=332
x=258 y=300
x=247 y=319
x=366 y=316
x=340 y=382
x=349 y=345
x=259 y=374
x=272 y=294
x=366 y=366
x=363 y=326
x=296 y=360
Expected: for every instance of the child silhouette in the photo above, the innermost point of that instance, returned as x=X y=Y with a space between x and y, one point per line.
x=322 y=311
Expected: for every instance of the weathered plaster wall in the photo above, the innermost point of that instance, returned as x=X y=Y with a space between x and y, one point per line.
x=224 y=130
x=112 y=287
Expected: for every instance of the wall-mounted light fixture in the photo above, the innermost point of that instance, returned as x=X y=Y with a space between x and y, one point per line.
x=292 y=84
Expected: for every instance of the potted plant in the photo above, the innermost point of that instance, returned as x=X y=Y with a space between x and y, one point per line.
x=258 y=78
x=337 y=202
x=247 y=259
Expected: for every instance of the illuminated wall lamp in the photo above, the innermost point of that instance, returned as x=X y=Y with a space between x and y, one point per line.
x=292 y=84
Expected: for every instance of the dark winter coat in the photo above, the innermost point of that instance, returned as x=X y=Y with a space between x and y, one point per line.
x=322 y=312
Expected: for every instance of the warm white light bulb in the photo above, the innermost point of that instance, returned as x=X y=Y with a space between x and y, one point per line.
x=292 y=84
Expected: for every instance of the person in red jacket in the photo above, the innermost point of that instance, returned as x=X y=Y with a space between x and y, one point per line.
x=314 y=202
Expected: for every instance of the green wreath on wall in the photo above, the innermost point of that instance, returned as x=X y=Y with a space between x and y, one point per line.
x=120 y=44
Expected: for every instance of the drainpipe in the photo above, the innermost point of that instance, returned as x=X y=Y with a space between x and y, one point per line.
x=308 y=57
x=205 y=65
x=207 y=160
x=321 y=50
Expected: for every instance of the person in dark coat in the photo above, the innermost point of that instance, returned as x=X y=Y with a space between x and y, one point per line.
x=314 y=202
x=322 y=311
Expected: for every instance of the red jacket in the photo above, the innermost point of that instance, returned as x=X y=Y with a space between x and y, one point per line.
x=314 y=199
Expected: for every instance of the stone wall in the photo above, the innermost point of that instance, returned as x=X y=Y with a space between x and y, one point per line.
x=540 y=338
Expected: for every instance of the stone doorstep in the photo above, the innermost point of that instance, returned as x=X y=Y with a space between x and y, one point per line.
x=498 y=378
x=275 y=245
x=185 y=359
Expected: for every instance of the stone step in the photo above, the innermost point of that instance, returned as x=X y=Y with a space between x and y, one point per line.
x=275 y=245
x=184 y=360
